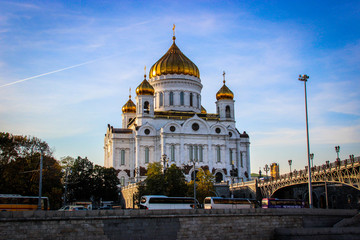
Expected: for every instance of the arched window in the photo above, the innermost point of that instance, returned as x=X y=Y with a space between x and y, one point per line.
x=161 y=99
x=191 y=99
x=146 y=107
x=171 y=98
x=218 y=154
x=172 y=153
x=227 y=112
x=122 y=181
x=231 y=156
x=182 y=98
x=146 y=155
x=122 y=157
x=201 y=154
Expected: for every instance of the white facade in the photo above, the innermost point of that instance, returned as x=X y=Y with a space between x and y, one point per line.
x=169 y=124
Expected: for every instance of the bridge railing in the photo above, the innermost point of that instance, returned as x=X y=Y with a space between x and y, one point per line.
x=316 y=169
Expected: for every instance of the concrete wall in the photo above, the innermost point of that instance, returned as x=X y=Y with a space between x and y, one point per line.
x=163 y=224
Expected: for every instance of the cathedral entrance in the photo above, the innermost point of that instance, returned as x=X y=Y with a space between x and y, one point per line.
x=218 y=177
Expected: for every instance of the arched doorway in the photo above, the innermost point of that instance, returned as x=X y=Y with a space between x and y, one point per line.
x=218 y=177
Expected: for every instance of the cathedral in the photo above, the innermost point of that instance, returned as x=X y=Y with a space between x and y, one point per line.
x=168 y=124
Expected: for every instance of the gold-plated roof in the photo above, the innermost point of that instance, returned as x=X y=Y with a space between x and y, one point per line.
x=145 y=88
x=129 y=106
x=224 y=92
x=203 y=110
x=174 y=62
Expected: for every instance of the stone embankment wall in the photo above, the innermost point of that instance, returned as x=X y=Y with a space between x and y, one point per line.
x=163 y=224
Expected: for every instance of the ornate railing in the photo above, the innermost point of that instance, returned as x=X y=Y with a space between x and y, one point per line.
x=345 y=172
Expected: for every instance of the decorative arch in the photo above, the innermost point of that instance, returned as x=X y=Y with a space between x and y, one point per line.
x=203 y=125
x=142 y=130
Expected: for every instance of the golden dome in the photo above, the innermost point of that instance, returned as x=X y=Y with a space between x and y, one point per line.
x=174 y=62
x=129 y=106
x=203 y=110
x=224 y=92
x=145 y=88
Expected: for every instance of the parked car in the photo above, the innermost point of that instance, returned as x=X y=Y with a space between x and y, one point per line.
x=72 y=208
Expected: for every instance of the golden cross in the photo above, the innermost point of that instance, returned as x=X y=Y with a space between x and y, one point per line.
x=224 y=77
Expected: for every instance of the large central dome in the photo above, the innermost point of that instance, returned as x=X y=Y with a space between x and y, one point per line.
x=174 y=62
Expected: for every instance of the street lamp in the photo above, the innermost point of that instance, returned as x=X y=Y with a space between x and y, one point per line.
x=165 y=161
x=337 y=150
x=311 y=158
x=304 y=79
x=290 y=162
x=266 y=169
x=193 y=161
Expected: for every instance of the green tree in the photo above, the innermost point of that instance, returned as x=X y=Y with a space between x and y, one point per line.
x=19 y=168
x=89 y=182
x=154 y=183
x=175 y=185
x=171 y=184
x=204 y=185
x=80 y=182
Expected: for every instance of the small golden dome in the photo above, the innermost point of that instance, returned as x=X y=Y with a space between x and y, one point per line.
x=224 y=92
x=129 y=106
x=174 y=62
x=145 y=88
x=203 y=110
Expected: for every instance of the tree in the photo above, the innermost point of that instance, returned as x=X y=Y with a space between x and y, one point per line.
x=175 y=185
x=19 y=168
x=15 y=146
x=89 y=182
x=80 y=183
x=171 y=184
x=204 y=185
x=21 y=176
x=154 y=183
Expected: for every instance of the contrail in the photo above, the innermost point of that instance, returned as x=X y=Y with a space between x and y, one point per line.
x=59 y=70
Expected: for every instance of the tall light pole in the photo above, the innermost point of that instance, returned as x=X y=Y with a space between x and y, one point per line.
x=193 y=161
x=40 y=179
x=304 y=79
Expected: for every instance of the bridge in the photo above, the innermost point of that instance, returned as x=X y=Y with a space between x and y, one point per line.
x=344 y=172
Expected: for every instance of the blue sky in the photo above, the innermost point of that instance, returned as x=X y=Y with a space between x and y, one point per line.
x=101 y=47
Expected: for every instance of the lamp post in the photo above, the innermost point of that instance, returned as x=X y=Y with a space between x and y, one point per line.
x=304 y=79
x=193 y=161
x=165 y=161
x=266 y=169
x=290 y=162
x=312 y=158
x=337 y=150
x=40 y=179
